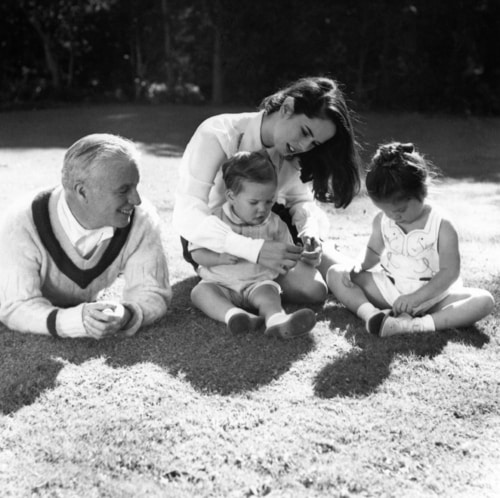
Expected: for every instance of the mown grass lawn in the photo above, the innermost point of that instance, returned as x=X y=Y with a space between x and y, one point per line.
x=183 y=410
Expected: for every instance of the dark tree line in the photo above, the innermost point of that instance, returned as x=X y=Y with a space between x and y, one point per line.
x=390 y=54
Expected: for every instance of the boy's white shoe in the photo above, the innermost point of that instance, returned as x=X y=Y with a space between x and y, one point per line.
x=402 y=324
x=294 y=325
x=242 y=323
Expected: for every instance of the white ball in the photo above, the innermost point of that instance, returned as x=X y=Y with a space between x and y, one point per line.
x=117 y=311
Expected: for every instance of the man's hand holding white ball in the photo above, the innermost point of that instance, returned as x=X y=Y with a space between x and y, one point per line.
x=102 y=319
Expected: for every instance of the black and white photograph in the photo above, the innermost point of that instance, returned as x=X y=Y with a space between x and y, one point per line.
x=249 y=248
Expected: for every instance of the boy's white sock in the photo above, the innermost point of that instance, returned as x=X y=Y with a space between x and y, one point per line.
x=233 y=311
x=276 y=319
x=366 y=310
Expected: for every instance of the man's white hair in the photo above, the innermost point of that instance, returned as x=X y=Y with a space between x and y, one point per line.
x=92 y=152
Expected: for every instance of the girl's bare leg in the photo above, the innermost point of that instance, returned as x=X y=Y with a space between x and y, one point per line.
x=462 y=308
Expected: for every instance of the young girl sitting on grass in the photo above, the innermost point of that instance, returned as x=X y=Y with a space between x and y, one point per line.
x=231 y=286
x=409 y=280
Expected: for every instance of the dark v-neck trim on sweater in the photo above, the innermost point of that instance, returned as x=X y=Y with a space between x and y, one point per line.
x=41 y=217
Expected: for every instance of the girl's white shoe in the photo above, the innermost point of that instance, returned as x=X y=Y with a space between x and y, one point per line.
x=374 y=323
x=402 y=324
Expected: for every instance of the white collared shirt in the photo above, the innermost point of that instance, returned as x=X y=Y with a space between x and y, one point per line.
x=84 y=241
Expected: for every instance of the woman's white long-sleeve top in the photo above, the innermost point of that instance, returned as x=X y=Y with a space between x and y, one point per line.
x=201 y=189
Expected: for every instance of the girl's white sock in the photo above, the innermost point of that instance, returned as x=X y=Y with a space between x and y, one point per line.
x=366 y=310
x=427 y=323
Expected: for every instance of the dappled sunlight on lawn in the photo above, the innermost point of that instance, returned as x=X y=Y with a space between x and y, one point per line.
x=473 y=207
x=184 y=409
x=30 y=161
x=185 y=343
x=365 y=368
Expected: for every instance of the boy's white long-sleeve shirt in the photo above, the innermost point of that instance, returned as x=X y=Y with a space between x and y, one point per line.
x=201 y=188
x=243 y=274
x=37 y=281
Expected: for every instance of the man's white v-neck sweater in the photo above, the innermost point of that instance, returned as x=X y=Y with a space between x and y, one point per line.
x=43 y=278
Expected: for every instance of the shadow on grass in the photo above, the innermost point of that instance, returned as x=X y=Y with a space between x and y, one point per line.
x=164 y=130
x=200 y=349
x=24 y=374
x=363 y=369
x=183 y=343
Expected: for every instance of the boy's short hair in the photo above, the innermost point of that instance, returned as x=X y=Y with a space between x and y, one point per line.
x=250 y=166
x=92 y=151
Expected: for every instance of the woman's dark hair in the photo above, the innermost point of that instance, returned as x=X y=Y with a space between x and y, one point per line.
x=250 y=166
x=333 y=167
x=398 y=171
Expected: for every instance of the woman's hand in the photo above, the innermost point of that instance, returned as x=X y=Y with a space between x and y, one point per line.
x=313 y=250
x=279 y=256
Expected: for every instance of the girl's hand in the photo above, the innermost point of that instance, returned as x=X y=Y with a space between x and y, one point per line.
x=406 y=304
x=349 y=273
x=227 y=259
x=311 y=255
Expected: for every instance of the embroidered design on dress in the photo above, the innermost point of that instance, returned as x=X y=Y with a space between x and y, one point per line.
x=413 y=255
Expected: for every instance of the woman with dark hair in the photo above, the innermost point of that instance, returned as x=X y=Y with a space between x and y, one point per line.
x=337 y=157
x=307 y=131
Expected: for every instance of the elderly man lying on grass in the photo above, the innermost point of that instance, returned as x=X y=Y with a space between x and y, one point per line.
x=60 y=249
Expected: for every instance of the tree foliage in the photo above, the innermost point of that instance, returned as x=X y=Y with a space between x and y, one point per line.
x=392 y=54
